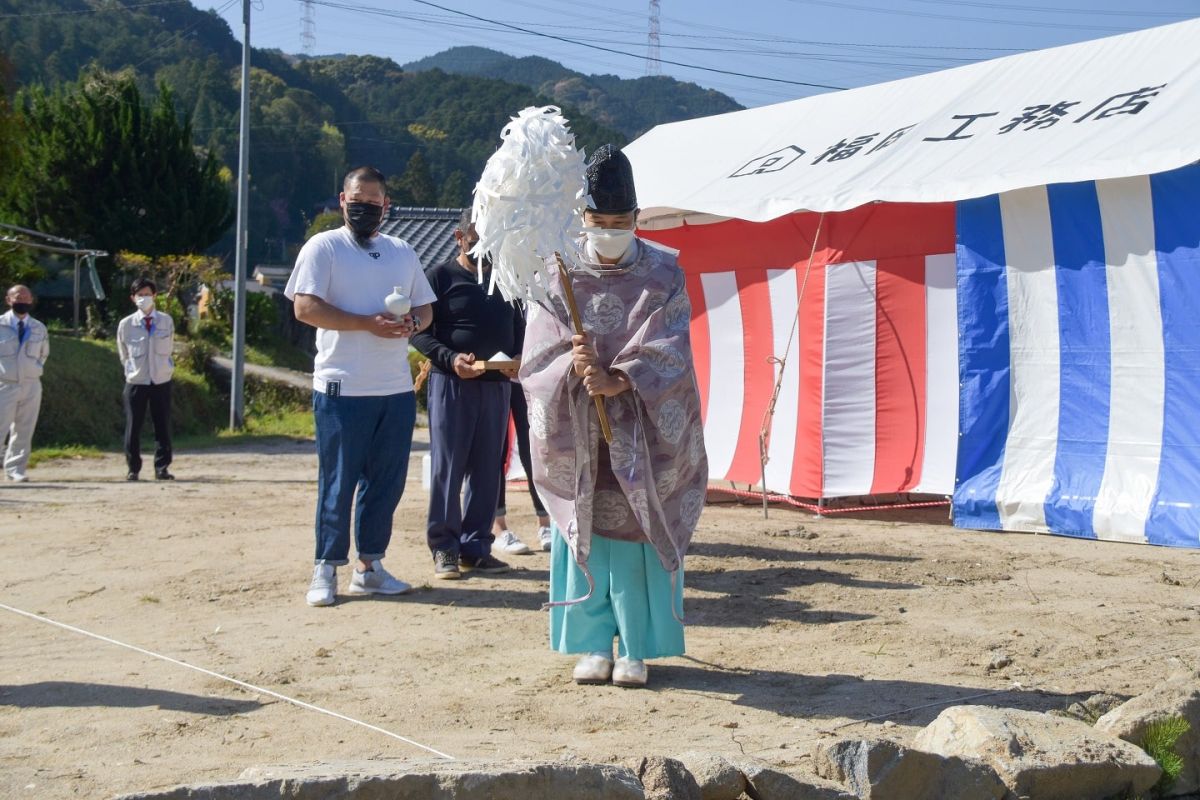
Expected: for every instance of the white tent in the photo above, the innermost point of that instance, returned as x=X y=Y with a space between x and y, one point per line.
x=980 y=281
x=1109 y=108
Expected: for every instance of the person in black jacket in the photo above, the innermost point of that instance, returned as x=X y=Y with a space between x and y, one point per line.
x=468 y=408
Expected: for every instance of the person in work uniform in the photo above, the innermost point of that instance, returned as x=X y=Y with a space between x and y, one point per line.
x=145 y=344
x=24 y=348
x=624 y=511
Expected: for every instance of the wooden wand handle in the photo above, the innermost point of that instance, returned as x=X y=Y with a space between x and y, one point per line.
x=577 y=321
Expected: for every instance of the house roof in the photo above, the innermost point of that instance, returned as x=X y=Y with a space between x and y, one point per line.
x=430 y=231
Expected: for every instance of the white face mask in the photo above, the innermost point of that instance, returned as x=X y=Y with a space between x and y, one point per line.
x=144 y=302
x=610 y=242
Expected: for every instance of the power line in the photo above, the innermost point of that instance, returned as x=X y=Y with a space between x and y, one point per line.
x=175 y=38
x=96 y=10
x=960 y=18
x=577 y=42
x=1059 y=9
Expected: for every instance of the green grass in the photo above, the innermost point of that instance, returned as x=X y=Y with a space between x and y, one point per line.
x=71 y=451
x=82 y=414
x=278 y=353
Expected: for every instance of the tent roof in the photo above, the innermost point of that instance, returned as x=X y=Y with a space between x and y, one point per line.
x=1115 y=107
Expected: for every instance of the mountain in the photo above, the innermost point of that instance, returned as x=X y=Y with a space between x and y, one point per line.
x=310 y=118
x=632 y=106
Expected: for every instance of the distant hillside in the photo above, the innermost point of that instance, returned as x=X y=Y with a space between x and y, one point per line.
x=311 y=118
x=632 y=106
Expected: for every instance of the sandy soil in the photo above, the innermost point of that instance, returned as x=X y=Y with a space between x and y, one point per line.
x=799 y=627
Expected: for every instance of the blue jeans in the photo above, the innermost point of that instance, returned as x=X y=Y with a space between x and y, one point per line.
x=363 y=445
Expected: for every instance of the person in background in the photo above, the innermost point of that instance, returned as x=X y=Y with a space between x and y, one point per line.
x=468 y=408
x=145 y=344
x=363 y=400
x=506 y=540
x=24 y=348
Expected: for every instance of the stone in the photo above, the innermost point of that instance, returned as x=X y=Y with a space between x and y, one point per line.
x=415 y=780
x=880 y=769
x=999 y=661
x=666 y=779
x=717 y=778
x=1178 y=696
x=764 y=782
x=1090 y=709
x=1041 y=756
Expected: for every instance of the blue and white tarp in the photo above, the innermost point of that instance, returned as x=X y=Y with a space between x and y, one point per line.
x=1079 y=338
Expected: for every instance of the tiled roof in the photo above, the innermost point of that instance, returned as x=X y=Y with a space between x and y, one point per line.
x=429 y=230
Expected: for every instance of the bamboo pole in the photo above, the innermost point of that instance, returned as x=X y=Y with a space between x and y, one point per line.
x=577 y=322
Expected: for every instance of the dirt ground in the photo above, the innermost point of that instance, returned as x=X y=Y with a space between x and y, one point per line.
x=799 y=627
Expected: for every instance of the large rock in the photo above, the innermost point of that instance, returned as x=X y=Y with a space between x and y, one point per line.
x=666 y=779
x=382 y=780
x=767 y=783
x=1178 y=696
x=1040 y=756
x=717 y=778
x=879 y=769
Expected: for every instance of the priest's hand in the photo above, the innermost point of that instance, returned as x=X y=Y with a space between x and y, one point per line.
x=464 y=366
x=598 y=381
x=582 y=353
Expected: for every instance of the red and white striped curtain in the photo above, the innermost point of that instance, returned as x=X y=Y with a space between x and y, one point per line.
x=868 y=402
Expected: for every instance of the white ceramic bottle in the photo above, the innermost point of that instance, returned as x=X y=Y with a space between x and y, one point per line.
x=397 y=303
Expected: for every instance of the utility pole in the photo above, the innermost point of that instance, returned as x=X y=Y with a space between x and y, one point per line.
x=237 y=416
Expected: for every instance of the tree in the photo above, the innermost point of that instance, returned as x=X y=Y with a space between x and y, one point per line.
x=418 y=182
x=456 y=191
x=111 y=171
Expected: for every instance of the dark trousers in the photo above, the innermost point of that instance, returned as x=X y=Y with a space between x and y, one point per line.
x=137 y=397
x=520 y=417
x=363 y=445
x=467 y=424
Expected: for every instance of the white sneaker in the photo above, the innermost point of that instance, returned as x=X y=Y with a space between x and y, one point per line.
x=593 y=668
x=323 y=586
x=546 y=537
x=377 y=581
x=509 y=543
x=20 y=477
x=630 y=673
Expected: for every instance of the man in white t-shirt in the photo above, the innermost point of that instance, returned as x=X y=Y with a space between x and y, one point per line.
x=363 y=399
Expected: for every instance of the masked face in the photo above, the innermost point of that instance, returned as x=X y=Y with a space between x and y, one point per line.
x=364 y=219
x=610 y=235
x=144 y=302
x=611 y=243
x=21 y=309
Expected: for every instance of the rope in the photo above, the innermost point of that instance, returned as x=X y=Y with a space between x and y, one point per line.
x=226 y=678
x=821 y=509
x=764 y=432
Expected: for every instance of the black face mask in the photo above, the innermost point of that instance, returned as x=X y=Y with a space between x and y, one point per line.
x=364 y=219
x=487 y=260
x=22 y=308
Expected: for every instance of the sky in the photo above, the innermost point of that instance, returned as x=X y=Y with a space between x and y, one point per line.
x=782 y=49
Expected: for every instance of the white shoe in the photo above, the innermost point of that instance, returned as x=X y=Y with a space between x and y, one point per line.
x=21 y=477
x=323 y=586
x=377 y=581
x=546 y=537
x=630 y=673
x=593 y=668
x=508 y=542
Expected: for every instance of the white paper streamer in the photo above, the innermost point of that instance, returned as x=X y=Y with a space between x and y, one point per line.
x=529 y=203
